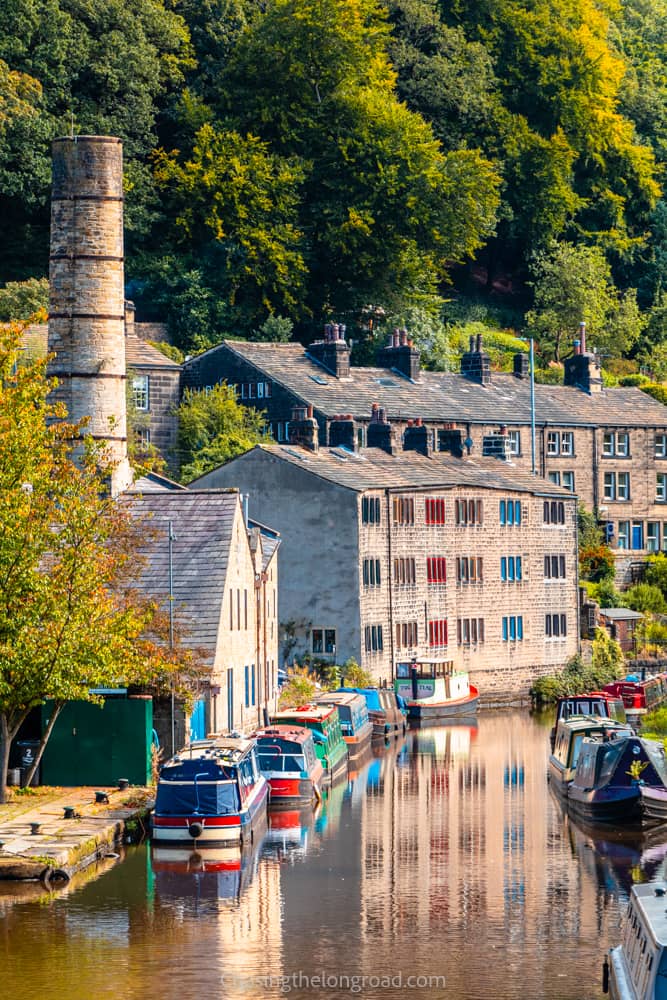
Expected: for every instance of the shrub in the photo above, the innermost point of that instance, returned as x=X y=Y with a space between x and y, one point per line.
x=299 y=689
x=356 y=676
x=646 y=597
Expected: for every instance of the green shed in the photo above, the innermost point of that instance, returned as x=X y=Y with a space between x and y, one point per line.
x=98 y=744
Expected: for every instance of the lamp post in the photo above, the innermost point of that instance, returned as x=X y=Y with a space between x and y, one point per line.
x=172 y=539
x=532 y=405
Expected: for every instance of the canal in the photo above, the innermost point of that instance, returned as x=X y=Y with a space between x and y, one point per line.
x=441 y=868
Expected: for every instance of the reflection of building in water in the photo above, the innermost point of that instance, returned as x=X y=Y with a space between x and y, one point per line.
x=456 y=841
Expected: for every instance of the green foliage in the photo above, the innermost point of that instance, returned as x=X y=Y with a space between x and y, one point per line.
x=212 y=428
x=656 y=572
x=608 y=596
x=274 y=329
x=356 y=676
x=169 y=350
x=20 y=300
x=596 y=560
x=577 y=678
x=299 y=689
x=655 y=390
x=646 y=597
x=633 y=380
x=655 y=722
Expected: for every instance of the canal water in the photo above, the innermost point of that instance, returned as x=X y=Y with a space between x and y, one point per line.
x=440 y=868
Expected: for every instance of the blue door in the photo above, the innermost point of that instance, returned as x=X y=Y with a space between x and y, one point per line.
x=638 y=535
x=230 y=699
x=198 y=721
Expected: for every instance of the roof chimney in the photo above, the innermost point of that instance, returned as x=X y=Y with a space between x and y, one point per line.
x=416 y=437
x=583 y=370
x=450 y=439
x=332 y=352
x=303 y=429
x=521 y=365
x=343 y=432
x=475 y=363
x=379 y=433
x=497 y=445
x=400 y=355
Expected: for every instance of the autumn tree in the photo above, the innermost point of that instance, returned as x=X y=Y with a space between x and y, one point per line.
x=69 y=617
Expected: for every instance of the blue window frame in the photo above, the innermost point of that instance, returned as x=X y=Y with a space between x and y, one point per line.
x=510 y=568
x=247 y=685
x=253 y=684
x=512 y=628
x=503 y=512
x=510 y=512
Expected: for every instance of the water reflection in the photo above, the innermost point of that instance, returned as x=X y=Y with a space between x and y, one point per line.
x=441 y=855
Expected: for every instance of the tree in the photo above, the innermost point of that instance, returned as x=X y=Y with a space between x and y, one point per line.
x=212 y=428
x=69 y=618
x=19 y=300
x=573 y=283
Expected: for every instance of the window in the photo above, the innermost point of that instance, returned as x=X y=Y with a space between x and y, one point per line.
x=661 y=487
x=554 y=512
x=434 y=510
x=436 y=569
x=370 y=510
x=560 y=443
x=511 y=569
x=279 y=431
x=615 y=444
x=554 y=477
x=513 y=628
x=404 y=571
x=371 y=572
x=140 y=392
x=510 y=512
x=404 y=510
x=623 y=540
x=514 y=439
x=653 y=536
x=469 y=511
x=660 y=449
x=143 y=437
x=324 y=640
x=555 y=626
x=406 y=635
x=617 y=485
x=437 y=632
x=554 y=567
x=246 y=670
x=373 y=638
x=469 y=569
x=568 y=481
x=469 y=631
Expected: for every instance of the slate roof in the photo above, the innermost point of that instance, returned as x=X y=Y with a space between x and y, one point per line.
x=150 y=482
x=446 y=396
x=621 y=614
x=270 y=540
x=140 y=354
x=373 y=468
x=202 y=523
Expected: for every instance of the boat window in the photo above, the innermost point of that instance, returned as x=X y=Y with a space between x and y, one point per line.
x=656 y=755
x=293 y=763
x=576 y=749
x=612 y=755
x=245 y=768
x=270 y=762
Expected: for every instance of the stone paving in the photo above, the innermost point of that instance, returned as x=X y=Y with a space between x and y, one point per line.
x=40 y=832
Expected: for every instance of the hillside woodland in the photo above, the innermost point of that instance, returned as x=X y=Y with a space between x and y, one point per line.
x=453 y=167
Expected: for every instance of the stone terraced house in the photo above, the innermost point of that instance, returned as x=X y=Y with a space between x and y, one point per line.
x=390 y=554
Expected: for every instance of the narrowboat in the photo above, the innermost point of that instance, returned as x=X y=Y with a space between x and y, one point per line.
x=434 y=690
x=637 y=968
x=386 y=710
x=212 y=793
x=596 y=703
x=324 y=723
x=609 y=773
x=287 y=759
x=639 y=696
x=570 y=735
x=355 y=724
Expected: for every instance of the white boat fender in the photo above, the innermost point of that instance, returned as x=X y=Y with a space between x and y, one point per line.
x=195 y=830
x=605 y=976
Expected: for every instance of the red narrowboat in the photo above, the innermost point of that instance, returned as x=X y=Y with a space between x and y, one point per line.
x=287 y=759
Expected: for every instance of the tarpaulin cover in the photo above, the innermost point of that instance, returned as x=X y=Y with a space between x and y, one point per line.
x=197 y=787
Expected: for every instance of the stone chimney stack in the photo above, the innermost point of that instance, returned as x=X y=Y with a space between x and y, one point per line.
x=497 y=445
x=303 y=429
x=415 y=437
x=401 y=355
x=521 y=365
x=333 y=352
x=379 y=433
x=343 y=432
x=583 y=369
x=475 y=363
x=450 y=439
x=86 y=298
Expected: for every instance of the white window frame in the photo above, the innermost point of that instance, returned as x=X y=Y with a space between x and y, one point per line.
x=622 y=444
x=608 y=444
x=553 y=443
x=653 y=536
x=660 y=446
x=514 y=439
x=567 y=443
x=622 y=485
x=609 y=485
x=567 y=481
x=661 y=487
x=623 y=537
x=141 y=393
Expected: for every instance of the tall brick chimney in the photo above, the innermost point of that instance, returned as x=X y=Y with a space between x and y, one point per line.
x=303 y=429
x=379 y=433
x=86 y=291
x=400 y=355
x=583 y=369
x=475 y=363
x=521 y=365
x=416 y=437
x=343 y=432
x=333 y=352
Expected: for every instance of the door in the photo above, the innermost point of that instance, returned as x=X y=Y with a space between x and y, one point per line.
x=198 y=720
x=638 y=534
x=230 y=699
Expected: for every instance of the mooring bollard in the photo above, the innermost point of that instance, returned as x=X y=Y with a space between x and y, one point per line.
x=123 y=783
x=35 y=828
x=69 y=812
x=102 y=797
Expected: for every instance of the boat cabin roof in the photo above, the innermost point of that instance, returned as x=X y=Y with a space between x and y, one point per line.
x=341 y=698
x=650 y=899
x=316 y=713
x=593 y=723
x=295 y=734
x=225 y=748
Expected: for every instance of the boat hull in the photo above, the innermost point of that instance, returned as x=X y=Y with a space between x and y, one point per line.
x=443 y=709
x=653 y=805
x=617 y=805
x=292 y=793
x=191 y=829
x=359 y=741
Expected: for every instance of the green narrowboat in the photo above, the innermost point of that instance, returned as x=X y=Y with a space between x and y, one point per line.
x=324 y=722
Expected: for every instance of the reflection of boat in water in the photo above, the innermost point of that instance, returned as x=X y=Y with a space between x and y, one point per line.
x=290 y=831
x=444 y=741
x=197 y=881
